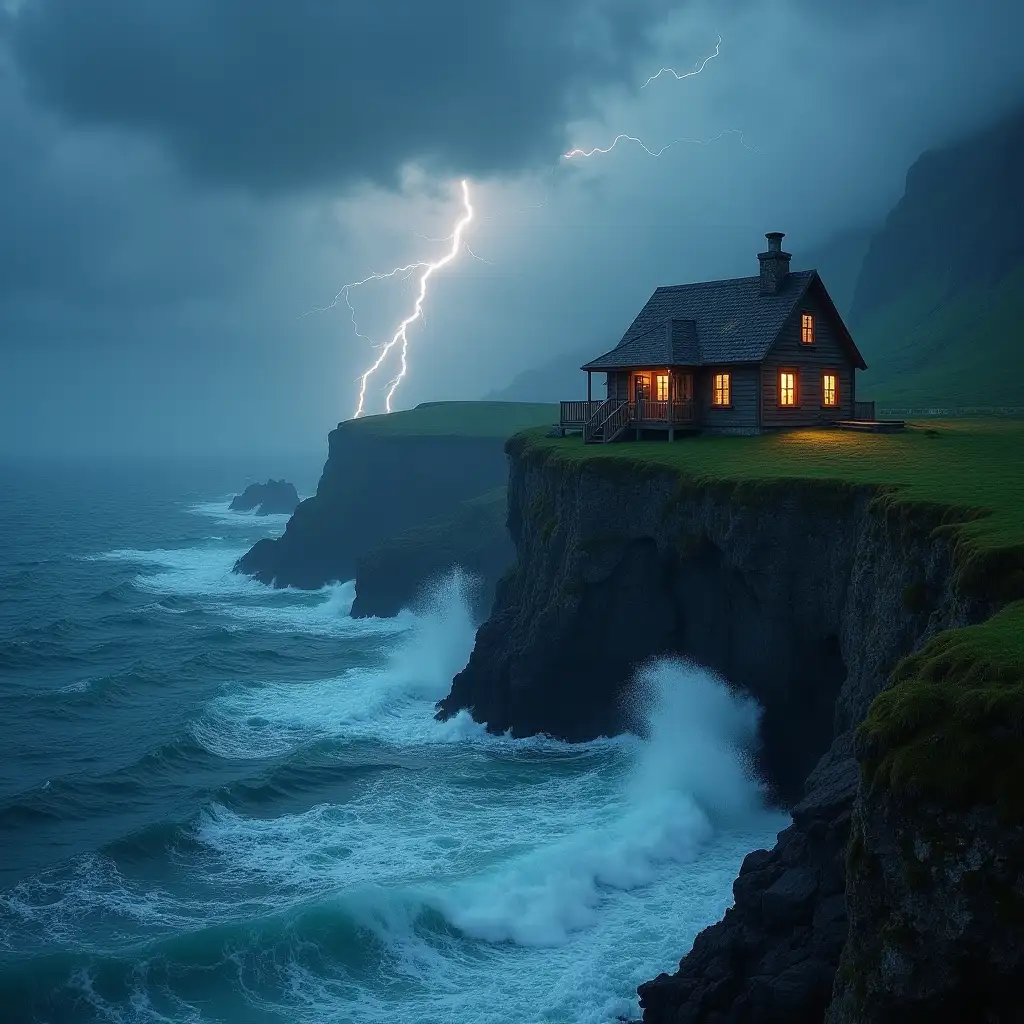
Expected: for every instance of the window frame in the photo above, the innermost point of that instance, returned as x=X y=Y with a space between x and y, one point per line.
x=807 y=325
x=825 y=404
x=658 y=378
x=795 y=404
x=727 y=389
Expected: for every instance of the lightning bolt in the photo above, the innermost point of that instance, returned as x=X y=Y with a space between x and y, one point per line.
x=429 y=268
x=401 y=335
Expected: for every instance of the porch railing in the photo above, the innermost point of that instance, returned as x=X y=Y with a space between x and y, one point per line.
x=647 y=411
x=864 y=411
x=575 y=414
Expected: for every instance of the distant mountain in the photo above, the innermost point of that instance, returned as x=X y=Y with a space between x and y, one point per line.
x=558 y=379
x=938 y=309
x=839 y=260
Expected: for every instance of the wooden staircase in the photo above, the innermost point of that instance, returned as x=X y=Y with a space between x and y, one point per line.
x=609 y=420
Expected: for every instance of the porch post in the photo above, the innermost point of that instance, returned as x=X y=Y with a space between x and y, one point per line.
x=588 y=392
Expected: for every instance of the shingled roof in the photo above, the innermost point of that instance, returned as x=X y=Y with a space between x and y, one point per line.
x=711 y=322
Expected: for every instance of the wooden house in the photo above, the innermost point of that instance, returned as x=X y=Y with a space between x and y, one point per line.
x=740 y=356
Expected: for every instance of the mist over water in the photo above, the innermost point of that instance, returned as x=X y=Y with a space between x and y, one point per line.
x=230 y=803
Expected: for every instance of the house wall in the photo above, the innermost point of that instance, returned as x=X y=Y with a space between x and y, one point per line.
x=809 y=361
x=618 y=385
x=743 y=413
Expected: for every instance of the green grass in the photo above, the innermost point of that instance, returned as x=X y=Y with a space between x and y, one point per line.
x=928 y=350
x=951 y=728
x=457 y=419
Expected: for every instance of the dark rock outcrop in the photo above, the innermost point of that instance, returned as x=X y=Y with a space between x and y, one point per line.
x=474 y=538
x=373 y=487
x=275 y=497
x=936 y=906
x=773 y=956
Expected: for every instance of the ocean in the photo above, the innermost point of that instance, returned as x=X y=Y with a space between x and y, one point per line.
x=221 y=802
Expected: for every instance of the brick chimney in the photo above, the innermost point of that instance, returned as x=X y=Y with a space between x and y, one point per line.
x=774 y=264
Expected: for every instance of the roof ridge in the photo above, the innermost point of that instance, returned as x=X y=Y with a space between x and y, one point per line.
x=725 y=280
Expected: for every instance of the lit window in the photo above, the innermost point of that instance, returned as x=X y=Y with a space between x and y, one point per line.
x=787 y=387
x=829 y=389
x=662 y=387
x=723 y=389
x=807 y=329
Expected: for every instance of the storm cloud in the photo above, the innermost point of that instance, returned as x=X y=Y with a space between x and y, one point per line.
x=325 y=92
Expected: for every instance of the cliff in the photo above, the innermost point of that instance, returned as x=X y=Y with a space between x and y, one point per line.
x=794 y=568
x=474 y=538
x=943 y=279
x=385 y=475
x=959 y=223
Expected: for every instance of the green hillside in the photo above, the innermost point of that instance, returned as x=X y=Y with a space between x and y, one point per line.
x=939 y=301
x=923 y=350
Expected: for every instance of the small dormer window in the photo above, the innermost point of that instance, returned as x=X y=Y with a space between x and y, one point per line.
x=807 y=328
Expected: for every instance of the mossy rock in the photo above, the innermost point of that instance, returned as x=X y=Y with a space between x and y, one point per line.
x=951 y=727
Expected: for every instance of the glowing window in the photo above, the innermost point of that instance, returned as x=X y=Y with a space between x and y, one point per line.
x=787 y=387
x=661 y=388
x=829 y=389
x=807 y=329
x=723 y=389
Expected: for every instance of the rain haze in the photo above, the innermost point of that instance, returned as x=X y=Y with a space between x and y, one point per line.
x=181 y=182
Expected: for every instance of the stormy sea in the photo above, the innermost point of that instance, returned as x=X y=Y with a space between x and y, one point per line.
x=221 y=802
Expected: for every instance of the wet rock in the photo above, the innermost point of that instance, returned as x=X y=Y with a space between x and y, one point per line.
x=275 y=497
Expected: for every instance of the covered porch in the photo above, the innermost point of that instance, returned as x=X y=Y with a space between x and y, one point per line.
x=655 y=398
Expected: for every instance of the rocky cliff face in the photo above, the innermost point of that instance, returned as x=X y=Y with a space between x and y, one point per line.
x=474 y=538
x=936 y=911
x=373 y=487
x=804 y=594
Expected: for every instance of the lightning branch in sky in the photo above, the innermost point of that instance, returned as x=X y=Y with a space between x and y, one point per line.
x=622 y=137
x=697 y=68
x=574 y=154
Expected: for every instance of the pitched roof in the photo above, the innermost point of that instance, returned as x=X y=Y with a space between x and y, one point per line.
x=708 y=323
x=672 y=342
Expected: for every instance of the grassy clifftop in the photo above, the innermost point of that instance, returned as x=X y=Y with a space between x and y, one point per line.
x=456 y=419
x=951 y=727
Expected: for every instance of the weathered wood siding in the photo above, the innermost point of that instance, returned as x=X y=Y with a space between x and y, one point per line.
x=743 y=413
x=809 y=361
x=618 y=385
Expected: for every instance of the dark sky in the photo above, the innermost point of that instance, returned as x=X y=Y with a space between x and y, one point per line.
x=180 y=180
